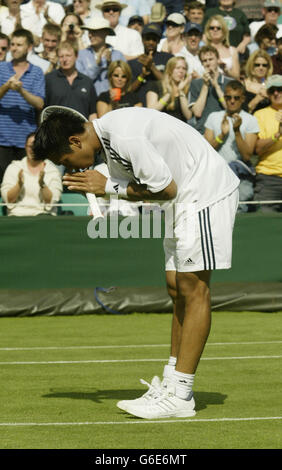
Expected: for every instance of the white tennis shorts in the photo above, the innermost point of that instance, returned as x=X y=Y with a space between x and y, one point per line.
x=204 y=240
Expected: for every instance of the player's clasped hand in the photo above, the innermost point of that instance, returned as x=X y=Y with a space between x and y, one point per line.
x=89 y=181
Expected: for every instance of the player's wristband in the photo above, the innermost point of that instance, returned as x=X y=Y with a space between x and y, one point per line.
x=219 y=140
x=141 y=79
x=116 y=187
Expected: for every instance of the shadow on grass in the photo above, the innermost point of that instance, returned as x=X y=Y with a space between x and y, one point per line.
x=202 y=399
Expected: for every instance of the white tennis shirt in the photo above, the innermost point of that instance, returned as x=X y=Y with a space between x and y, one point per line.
x=150 y=147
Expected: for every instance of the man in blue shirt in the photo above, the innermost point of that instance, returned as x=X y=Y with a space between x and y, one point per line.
x=94 y=60
x=22 y=91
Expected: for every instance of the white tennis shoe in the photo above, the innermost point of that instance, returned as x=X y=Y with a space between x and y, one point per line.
x=164 y=405
x=154 y=390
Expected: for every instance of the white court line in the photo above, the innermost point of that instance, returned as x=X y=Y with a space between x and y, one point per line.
x=102 y=423
x=126 y=346
x=104 y=361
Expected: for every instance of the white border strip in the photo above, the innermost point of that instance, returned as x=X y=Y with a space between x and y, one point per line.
x=179 y=420
x=126 y=346
x=104 y=361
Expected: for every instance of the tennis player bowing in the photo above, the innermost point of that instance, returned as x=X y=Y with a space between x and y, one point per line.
x=151 y=155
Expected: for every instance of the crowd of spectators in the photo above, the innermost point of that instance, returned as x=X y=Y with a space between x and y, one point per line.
x=214 y=64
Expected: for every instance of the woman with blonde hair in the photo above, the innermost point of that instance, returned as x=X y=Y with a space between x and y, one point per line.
x=258 y=68
x=170 y=94
x=216 y=34
x=119 y=94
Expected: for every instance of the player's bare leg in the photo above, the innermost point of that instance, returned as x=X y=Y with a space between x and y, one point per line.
x=193 y=290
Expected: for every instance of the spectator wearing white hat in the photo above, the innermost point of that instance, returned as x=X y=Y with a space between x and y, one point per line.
x=271 y=12
x=173 y=42
x=95 y=59
x=125 y=39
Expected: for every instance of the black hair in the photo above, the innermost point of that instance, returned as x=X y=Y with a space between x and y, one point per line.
x=23 y=33
x=4 y=36
x=52 y=137
x=235 y=85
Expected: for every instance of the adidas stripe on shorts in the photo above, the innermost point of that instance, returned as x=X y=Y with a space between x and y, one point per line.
x=204 y=241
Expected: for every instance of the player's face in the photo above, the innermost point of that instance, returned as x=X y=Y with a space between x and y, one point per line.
x=83 y=148
x=80 y=158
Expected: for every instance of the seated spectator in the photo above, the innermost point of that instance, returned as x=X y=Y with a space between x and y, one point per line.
x=268 y=185
x=277 y=59
x=133 y=8
x=68 y=87
x=36 y=13
x=170 y=94
x=125 y=39
x=258 y=69
x=95 y=60
x=173 y=43
x=119 y=94
x=22 y=92
x=217 y=35
x=148 y=67
x=192 y=36
x=265 y=39
x=237 y=24
x=136 y=22
x=50 y=41
x=194 y=11
x=207 y=93
x=233 y=133
x=83 y=10
x=270 y=11
x=31 y=187
x=72 y=32
x=4 y=46
x=10 y=19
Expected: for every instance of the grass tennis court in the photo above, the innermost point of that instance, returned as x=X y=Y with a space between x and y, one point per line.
x=62 y=377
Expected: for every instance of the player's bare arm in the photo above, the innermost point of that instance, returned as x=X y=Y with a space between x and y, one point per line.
x=93 y=181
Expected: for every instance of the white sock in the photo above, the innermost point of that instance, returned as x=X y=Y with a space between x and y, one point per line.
x=169 y=368
x=183 y=384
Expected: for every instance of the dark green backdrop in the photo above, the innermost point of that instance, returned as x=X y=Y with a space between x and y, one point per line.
x=56 y=252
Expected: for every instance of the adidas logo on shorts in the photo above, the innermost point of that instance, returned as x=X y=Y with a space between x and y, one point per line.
x=188 y=261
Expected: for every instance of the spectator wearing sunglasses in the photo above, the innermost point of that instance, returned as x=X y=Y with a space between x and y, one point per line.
x=237 y=24
x=126 y=40
x=269 y=148
x=173 y=43
x=216 y=34
x=271 y=12
x=233 y=133
x=4 y=46
x=258 y=68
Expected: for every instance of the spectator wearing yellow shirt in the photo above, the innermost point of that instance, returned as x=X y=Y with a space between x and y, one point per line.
x=269 y=147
